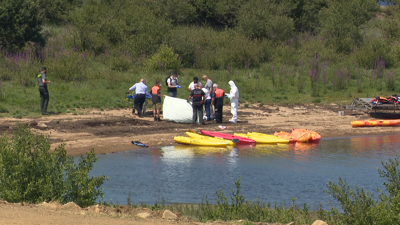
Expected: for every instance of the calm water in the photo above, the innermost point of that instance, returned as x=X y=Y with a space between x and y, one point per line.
x=271 y=173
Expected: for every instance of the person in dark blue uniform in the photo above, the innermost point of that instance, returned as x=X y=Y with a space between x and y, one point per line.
x=198 y=97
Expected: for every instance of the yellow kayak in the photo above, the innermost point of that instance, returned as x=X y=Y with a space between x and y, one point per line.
x=196 y=135
x=263 y=138
x=200 y=141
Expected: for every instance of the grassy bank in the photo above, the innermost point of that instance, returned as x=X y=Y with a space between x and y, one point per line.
x=19 y=97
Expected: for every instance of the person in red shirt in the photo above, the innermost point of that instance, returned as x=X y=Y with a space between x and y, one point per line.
x=218 y=103
x=156 y=98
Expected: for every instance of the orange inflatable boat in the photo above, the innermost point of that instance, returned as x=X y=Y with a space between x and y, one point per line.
x=299 y=135
x=285 y=135
x=374 y=123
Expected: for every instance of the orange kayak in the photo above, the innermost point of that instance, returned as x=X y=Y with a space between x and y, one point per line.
x=374 y=123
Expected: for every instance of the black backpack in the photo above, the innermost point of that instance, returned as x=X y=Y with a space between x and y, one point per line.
x=166 y=80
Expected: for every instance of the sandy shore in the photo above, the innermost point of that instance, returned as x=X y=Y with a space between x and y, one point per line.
x=112 y=131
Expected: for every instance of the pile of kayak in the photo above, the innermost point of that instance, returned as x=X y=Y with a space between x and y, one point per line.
x=218 y=139
x=299 y=135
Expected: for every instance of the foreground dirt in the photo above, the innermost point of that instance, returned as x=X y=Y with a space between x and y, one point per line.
x=112 y=131
x=70 y=213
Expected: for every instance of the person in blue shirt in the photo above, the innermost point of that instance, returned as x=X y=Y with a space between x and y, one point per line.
x=141 y=91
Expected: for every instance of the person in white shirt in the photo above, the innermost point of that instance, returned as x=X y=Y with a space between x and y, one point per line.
x=141 y=91
x=234 y=97
x=207 y=103
x=191 y=85
x=173 y=84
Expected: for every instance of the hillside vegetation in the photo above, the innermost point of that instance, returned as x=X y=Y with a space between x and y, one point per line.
x=278 y=52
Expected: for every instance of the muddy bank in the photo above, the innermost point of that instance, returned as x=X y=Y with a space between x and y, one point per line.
x=112 y=131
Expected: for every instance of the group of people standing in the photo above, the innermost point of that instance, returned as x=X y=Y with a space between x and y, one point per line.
x=209 y=95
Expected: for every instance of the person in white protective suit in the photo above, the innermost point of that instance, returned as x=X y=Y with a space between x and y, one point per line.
x=234 y=97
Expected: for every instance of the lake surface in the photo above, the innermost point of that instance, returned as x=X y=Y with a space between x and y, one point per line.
x=271 y=173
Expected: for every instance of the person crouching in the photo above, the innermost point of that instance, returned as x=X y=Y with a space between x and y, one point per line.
x=198 y=97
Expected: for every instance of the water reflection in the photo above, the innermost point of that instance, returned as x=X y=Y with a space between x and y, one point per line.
x=272 y=173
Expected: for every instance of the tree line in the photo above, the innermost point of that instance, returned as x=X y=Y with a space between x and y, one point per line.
x=207 y=34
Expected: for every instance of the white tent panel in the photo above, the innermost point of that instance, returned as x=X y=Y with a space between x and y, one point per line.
x=177 y=110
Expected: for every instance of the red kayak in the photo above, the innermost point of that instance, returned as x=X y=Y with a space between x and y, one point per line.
x=242 y=140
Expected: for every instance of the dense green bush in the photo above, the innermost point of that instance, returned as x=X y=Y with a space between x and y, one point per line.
x=163 y=60
x=206 y=48
x=31 y=172
x=341 y=22
x=57 y=10
x=20 y=22
x=118 y=24
x=366 y=55
x=268 y=19
x=360 y=207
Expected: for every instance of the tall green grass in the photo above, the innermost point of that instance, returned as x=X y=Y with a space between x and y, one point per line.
x=298 y=71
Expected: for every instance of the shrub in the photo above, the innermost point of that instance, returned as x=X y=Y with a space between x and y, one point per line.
x=239 y=208
x=68 y=66
x=21 y=23
x=203 y=47
x=268 y=19
x=120 y=63
x=365 y=56
x=163 y=60
x=360 y=207
x=29 y=172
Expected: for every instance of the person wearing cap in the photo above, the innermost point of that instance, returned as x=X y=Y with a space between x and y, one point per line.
x=44 y=93
x=218 y=103
x=141 y=91
x=234 y=97
x=191 y=85
x=173 y=84
x=198 y=100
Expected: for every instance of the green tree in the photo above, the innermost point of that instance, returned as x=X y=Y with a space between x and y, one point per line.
x=266 y=19
x=341 y=22
x=57 y=9
x=178 y=11
x=20 y=22
x=392 y=28
x=86 y=24
x=31 y=172
x=121 y=24
x=305 y=14
x=217 y=13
